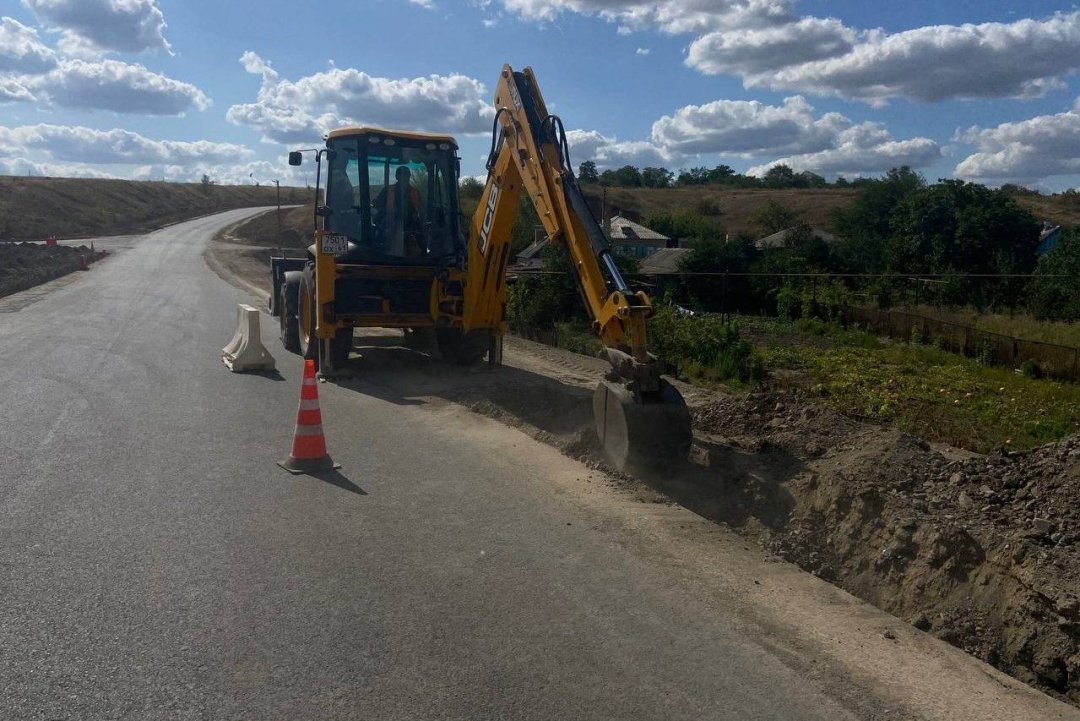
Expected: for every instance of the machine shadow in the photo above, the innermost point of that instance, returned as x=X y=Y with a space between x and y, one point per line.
x=719 y=482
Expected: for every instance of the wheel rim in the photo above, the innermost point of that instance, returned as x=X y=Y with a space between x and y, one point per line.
x=306 y=331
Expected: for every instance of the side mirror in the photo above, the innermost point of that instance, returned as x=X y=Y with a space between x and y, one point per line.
x=323 y=212
x=296 y=157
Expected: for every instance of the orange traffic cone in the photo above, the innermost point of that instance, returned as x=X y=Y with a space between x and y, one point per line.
x=309 y=445
x=82 y=263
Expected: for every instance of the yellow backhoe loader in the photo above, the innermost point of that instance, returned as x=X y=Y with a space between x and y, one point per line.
x=391 y=251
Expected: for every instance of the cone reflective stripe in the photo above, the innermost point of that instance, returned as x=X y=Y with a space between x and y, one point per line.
x=309 y=445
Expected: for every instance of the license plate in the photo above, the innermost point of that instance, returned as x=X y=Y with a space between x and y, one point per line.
x=335 y=244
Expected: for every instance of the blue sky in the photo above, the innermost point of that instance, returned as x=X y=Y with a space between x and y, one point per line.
x=172 y=89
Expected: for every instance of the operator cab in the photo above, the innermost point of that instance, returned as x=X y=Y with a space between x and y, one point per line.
x=393 y=195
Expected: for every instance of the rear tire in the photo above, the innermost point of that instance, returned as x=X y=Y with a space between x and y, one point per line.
x=290 y=325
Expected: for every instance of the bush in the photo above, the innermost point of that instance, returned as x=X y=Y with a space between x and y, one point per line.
x=704 y=341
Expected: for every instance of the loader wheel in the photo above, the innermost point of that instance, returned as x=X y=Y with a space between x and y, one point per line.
x=290 y=325
x=465 y=349
x=308 y=342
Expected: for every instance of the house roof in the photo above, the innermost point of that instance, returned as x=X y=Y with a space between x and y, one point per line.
x=623 y=229
x=779 y=240
x=663 y=262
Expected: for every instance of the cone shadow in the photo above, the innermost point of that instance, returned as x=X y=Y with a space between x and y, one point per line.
x=335 y=478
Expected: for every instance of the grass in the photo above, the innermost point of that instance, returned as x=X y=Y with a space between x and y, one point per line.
x=936 y=395
x=34 y=208
x=1017 y=325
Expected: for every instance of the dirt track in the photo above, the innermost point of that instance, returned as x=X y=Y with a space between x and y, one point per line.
x=983 y=552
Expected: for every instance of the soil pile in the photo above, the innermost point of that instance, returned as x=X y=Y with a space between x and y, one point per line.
x=24 y=265
x=984 y=552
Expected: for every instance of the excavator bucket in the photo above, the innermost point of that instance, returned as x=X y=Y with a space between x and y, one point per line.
x=637 y=434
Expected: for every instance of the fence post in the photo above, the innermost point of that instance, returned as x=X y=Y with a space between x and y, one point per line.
x=723 y=299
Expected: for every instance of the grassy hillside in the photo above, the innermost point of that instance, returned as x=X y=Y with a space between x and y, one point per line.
x=1058 y=209
x=34 y=208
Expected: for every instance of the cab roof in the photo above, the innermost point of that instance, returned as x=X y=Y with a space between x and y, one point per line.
x=404 y=134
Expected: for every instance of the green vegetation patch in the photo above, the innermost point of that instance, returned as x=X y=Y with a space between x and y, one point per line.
x=928 y=392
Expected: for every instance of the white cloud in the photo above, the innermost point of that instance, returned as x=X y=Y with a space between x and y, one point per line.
x=750 y=52
x=86 y=145
x=747 y=128
x=1019 y=59
x=120 y=87
x=22 y=166
x=643 y=51
x=130 y=26
x=21 y=51
x=426 y=4
x=257 y=66
x=12 y=91
x=828 y=144
x=672 y=16
x=609 y=152
x=1031 y=149
x=290 y=111
x=258 y=171
x=766 y=44
x=865 y=149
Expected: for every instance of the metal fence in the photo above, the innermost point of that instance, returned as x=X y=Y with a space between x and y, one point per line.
x=1047 y=359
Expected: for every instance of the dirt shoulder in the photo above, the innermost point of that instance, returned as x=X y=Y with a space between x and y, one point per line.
x=980 y=551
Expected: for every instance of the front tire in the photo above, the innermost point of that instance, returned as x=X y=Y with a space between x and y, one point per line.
x=308 y=342
x=290 y=325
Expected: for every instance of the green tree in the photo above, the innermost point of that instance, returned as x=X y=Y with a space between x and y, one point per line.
x=774 y=217
x=806 y=179
x=693 y=176
x=685 y=225
x=779 y=176
x=965 y=228
x=1058 y=298
x=587 y=172
x=469 y=191
x=865 y=226
x=628 y=177
x=717 y=255
x=721 y=174
x=656 y=177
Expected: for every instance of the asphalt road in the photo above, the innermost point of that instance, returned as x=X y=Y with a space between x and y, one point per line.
x=156 y=564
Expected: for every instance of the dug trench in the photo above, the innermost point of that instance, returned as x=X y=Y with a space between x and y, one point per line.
x=981 y=551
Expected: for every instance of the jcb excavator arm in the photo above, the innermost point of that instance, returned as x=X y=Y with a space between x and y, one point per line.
x=640 y=418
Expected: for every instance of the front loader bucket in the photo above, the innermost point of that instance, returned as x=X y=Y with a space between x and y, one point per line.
x=641 y=435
